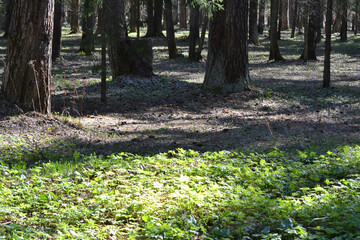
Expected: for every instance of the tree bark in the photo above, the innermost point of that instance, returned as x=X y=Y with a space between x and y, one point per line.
x=253 y=29
x=294 y=18
x=285 y=15
x=227 y=67
x=202 y=38
x=74 y=16
x=194 y=31
x=326 y=76
x=280 y=20
x=87 y=43
x=150 y=18
x=314 y=29
x=175 y=11
x=27 y=72
x=170 y=33
x=183 y=14
x=9 y=6
x=356 y=17
x=261 y=24
x=344 y=26
x=158 y=14
x=274 y=47
x=56 y=48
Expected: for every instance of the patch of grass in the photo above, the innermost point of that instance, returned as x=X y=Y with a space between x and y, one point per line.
x=184 y=195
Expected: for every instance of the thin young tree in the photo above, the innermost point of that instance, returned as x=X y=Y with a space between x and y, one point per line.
x=327 y=67
x=27 y=72
x=227 y=68
x=344 y=26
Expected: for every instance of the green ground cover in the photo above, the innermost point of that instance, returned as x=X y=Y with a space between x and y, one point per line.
x=183 y=194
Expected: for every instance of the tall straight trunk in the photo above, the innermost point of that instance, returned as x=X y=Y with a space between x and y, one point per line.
x=274 y=47
x=285 y=15
x=158 y=14
x=114 y=17
x=294 y=19
x=326 y=76
x=305 y=55
x=27 y=72
x=344 y=26
x=227 y=68
x=87 y=43
x=202 y=38
x=9 y=6
x=194 y=31
x=102 y=28
x=133 y=16
x=150 y=18
x=356 y=17
x=261 y=24
x=175 y=11
x=183 y=14
x=74 y=16
x=58 y=18
x=314 y=29
x=280 y=19
x=170 y=33
x=253 y=29
x=338 y=18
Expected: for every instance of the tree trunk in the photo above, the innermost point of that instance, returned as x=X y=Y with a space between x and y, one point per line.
x=227 y=67
x=87 y=43
x=356 y=17
x=261 y=24
x=183 y=14
x=326 y=76
x=27 y=72
x=285 y=15
x=194 y=31
x=294 y=19
x=56 y=48
x=274 y=47
x=344 y=26
x=170 y=33
x=74 y=17
x=175 y=11
x=101 y=26
x=133 y=16
x=9 y=6
x=114 y=17
x=338 y=18
x=202 y=38
x=314 y=29
x=280 y=20
x=158 y=14
x=150 y=18
x=253 y=30
x=305 y=55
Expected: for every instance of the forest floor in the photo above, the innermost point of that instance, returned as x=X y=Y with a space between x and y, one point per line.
x=286 y=109
x=290 y=168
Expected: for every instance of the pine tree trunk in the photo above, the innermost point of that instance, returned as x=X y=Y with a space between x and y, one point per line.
x=194 y=31
x=175 y=11
x=158 y=14
x=294 y=18
x=343 y=33
x=133 y=16
x=253 y=30
x=356 y=17
x=9 y=6
x=202 y=38
x=27 y=73
x=338 y=18
x=170 y=33
x=280 y=20
x=227 y=65
x=74 y=17
x=326 y=76
x=183 y=14
x=285 y=15
x=274 y=47
x=56 y=48
x=261 y=24
x=87 y=43
x=150 y=18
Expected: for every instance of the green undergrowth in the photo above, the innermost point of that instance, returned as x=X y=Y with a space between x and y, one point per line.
x=184 y=195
